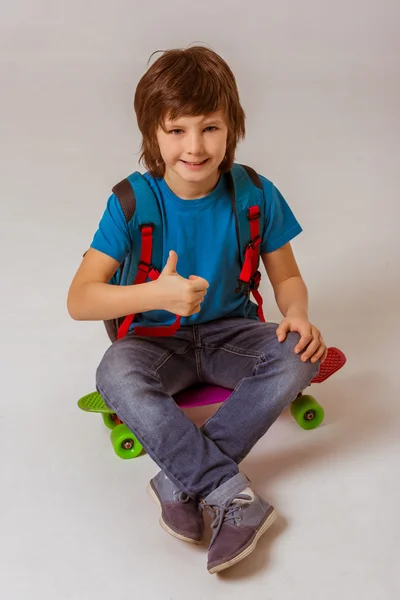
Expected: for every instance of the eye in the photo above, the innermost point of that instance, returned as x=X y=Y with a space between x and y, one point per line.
x=176 y=131
x=210 y=128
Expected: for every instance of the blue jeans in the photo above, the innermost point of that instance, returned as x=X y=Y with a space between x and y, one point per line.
x=138 y=376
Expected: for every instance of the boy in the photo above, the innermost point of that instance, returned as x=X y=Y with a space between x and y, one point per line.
x=189 y=113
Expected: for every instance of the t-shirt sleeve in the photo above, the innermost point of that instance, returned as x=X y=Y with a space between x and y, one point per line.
x=281 y=226
x=112 y=236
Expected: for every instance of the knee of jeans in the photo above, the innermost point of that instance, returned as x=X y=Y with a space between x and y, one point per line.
x=302 y=372
x=122 y=369
x=117 y=364
x=307 y=371
x=108 y=369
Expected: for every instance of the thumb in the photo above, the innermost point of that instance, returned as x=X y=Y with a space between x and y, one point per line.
x=282 y=330
x=170 y=267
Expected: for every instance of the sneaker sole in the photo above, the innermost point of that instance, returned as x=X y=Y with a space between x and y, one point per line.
x=164 y=525
x=249 y=549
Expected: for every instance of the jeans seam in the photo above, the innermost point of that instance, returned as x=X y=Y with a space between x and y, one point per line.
x=165 y=358
x=199 y=369
x=261 y=360
x=198 y=352
x=234 y=350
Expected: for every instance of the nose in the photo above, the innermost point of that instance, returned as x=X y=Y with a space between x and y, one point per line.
x=195 y=144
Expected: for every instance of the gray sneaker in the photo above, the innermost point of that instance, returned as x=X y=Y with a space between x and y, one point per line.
x=238 y=525
x=180 y=515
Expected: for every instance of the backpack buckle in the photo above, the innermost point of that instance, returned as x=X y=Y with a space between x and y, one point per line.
x=255 y=281
x=243 y=287
x=144 y=266
x=253 y=217
x=255 y=242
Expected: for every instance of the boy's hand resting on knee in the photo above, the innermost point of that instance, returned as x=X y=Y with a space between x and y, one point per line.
x=180 y=296
x=310 y=338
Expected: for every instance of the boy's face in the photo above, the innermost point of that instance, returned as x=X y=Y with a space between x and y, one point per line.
x=193 y=147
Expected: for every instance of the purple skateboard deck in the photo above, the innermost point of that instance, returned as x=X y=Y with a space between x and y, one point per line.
x=203 y=394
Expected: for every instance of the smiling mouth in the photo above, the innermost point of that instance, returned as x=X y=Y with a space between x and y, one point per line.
x=195 y=163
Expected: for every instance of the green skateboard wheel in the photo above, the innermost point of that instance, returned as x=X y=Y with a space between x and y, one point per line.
x=124 y=442
x=108 y=420
x=307 y=412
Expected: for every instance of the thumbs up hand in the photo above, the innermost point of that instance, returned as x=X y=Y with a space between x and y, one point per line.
x=179 y=295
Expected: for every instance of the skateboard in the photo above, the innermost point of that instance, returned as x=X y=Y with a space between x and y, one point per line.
x=306 y=411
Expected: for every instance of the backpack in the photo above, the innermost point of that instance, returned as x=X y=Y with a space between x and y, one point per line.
x=136 y=197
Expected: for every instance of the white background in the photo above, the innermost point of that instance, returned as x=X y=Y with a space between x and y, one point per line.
x=320 y=85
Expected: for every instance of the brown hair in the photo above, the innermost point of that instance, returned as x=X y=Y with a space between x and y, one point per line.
x=193 y=81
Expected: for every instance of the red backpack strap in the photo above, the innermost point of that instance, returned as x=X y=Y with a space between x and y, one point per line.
x=250 y=276
x=142 y=272
x=135 y=195
x=145 y=270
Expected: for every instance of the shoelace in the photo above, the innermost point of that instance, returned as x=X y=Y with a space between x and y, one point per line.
x=181 y=496
x=225 y=513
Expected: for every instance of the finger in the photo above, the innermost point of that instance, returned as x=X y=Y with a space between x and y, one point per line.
x=318 y=354
x=282 y=330
x=305 y=339
x=311 y=349
x=199 y=296
x=325 y=354
x=199 y=284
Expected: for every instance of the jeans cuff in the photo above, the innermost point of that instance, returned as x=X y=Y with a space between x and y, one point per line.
x=228 y=490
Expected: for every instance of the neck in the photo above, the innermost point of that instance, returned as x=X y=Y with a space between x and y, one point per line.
x=188 y=190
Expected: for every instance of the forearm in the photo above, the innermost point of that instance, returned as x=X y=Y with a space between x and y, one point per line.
x=102 y=301
x=292 y=297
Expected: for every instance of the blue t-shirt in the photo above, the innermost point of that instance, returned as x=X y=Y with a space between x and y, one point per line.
x=203 y=234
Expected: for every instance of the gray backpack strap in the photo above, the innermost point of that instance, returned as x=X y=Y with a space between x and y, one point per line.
x=126 y=196
x=253 y=176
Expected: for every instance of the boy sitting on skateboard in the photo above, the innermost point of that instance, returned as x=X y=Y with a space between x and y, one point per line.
x=195 y=321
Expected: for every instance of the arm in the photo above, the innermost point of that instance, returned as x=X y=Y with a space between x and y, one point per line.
x=289 y=288
x=292 y=299
x=92 y=298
